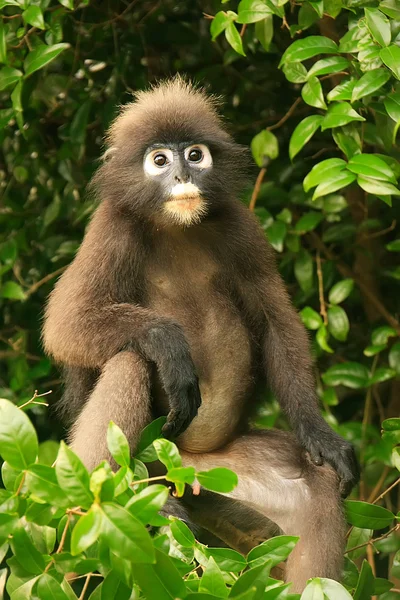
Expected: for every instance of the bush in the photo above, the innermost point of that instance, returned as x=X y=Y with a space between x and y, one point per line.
x=313 y=87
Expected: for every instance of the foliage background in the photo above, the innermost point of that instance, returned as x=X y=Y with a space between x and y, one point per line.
x=52 y=119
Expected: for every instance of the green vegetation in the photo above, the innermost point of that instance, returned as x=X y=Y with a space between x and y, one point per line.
x=313 y=87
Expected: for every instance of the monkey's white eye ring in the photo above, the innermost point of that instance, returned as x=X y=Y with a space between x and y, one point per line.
x=198 y=156
x=157 y=160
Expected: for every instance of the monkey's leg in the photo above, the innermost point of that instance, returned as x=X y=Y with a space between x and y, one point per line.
x=122 y=395
x=277 y=479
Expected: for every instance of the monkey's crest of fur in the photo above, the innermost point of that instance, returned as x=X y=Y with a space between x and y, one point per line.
x=170 y=103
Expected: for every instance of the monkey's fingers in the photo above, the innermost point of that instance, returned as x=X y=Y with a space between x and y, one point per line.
x=315 y=454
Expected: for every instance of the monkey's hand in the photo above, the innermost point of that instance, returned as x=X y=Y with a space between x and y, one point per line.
x=165 y=344
x=323 y=444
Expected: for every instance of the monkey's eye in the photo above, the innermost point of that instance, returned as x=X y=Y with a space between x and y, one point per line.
x=160 y=160
x=156 y=161
x=198 y=156
x=195 y=155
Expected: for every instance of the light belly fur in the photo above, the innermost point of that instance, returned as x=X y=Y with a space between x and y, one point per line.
x=221 y=350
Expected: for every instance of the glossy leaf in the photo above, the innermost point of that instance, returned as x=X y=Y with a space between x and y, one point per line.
x=390 y=56
x=264 y=31
x=218 y=480
x=338 y=323
x=220 y=22
x=212 y=581
x=304 y=270
x=343 y=91
x=73 y=477
x=340 y=291
x=295 y=72
x=312 y=93
x=303 y=133
x=274 y=551
x=118 y=445
x=33 y=15
x=350 y=374
x=86 y=532
x=394 y=357
x=42 y=482
x=42 y=56
x=48 y=588
x=263 y=146
x=308 y=222
x=321 y=171
x=376 y=187
x=371 y=166
x=9 y=76
x=125 y=535
x=161 y=580
x=310 y=318
x=364 y=515
x=370 y=82
x=251 y=11
x=233 y=38
x=168 y=453
x=337 y=180
x=307 y=48
x=331 y=64
x=378 y=25
x=339 y=114
x=276 y=235
x=18 y=440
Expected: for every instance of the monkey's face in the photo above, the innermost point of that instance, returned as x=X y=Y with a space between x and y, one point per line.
x=180 y=170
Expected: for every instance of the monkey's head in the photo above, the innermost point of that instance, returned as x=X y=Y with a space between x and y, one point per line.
x=169 y=158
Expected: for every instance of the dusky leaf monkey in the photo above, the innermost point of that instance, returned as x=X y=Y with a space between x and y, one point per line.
x=173 y=304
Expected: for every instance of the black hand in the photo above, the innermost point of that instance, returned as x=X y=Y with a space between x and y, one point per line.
x=323 y=444
x=166 y=345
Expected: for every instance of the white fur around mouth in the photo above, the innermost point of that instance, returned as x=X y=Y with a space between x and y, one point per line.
x=185 y=204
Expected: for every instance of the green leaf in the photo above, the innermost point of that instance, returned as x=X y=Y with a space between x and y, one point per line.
x=73 y=477
x=337 y=180
x=322 y=339
x=12 y=290
x=233 y=38
x=145 y=450
x=303 y=133
x=26 y=553
x=168 y=453
x=9 y=76
x=381 y=374
x=396 y=457
x=212 y=581
x=181 y=475
x=348 y=139
x=256 y=578
x=310 y=318
x=275 y=550
x=369 y=83
x=392 y=106
x=368 y=516
x=182 y=533
x=376 y=187
x=378 y=25
x=307 y=48
x=331 y=64
x=3 y=42
x=391 y=8
x=340 y=291
x=276 y=235
x=42 y=482
x=356 y=538
x=220 y=22
x=308 y=222
x=118 y=445
x=264 y=31
x=67 y=3
x=18 y=440
x=145 y=504
x=48 y=588
x=350 y=374
x=161 y=581
x=304 y=270
x=339 y=114
x=218 y=480
x=393 y=246
x=33 y=16
x=126 y=536
x=264 y=146
x=86 y=531
x=394 y=357
x=251 y=11
x=42 y=56
x=390 y=56
x=338 y=323
x=295 y=72
x=371 y=166
x=343 y=91
x=334 y=203
x=321 y=171
x=392 y=424
x=373 y=350
x=228 y=560
x=312 y=93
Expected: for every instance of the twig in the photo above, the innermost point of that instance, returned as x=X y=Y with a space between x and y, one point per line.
x=39 y=283
x=381 y=537
x=286 y=116
x=322 y=305
x=378 y=485
x=243 y=30
x=85 y=587
x=256 y=189
x=36 y=395
x=21 y=483
x=386 y=491
x=158 y=478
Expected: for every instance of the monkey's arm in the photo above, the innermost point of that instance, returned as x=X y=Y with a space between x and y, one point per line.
x=89 y=317
x=289 y=372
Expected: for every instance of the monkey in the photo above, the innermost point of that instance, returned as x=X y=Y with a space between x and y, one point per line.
x=173 y=304
x=280 y=491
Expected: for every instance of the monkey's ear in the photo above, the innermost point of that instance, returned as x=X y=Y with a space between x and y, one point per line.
x=109 y=154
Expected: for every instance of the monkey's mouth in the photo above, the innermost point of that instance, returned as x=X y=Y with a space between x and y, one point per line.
x=185 y=204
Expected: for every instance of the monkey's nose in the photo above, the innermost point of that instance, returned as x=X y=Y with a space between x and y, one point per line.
x=182 y=178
